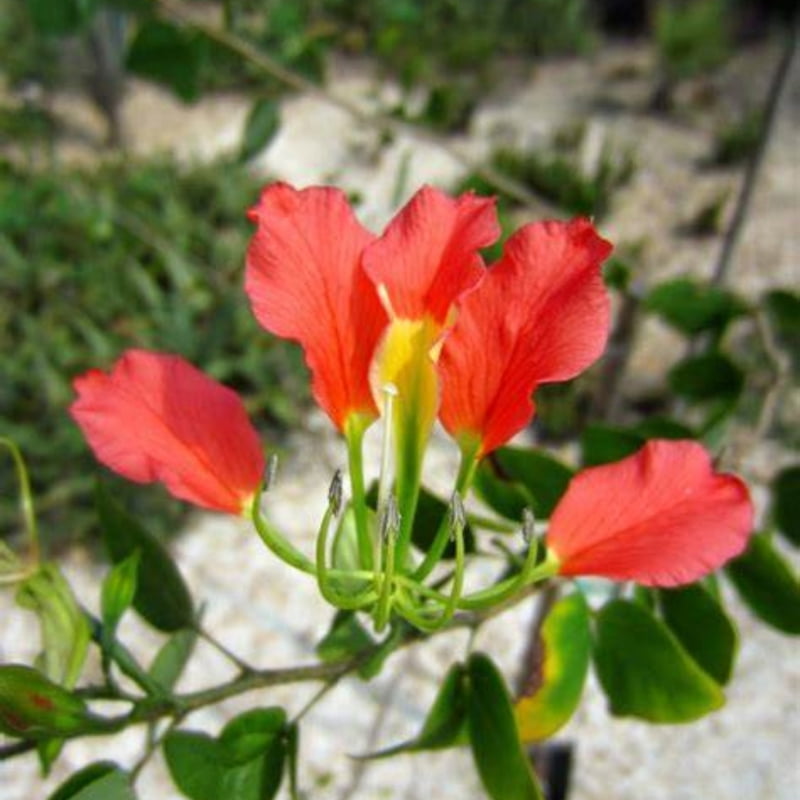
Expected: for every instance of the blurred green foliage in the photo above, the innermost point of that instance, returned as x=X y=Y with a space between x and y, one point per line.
x=692 y=35
x=127 y=255
x=556 y=172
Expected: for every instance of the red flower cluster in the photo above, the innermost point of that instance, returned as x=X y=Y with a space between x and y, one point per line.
x=491 y=336
x=416 y=307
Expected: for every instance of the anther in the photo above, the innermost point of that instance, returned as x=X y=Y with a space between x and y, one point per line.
x=528 y=525
x=271 y=471
x=335 y=492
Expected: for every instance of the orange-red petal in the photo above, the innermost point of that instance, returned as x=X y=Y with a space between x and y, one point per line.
x=427 y=258
x=155 y=417
x=305 y=282
x=541 y=314
x=661 y=517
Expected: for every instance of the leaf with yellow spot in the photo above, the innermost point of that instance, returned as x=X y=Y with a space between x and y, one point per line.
x=559 y=672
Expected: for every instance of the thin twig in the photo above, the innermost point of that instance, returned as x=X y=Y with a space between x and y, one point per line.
x=177 y=11
x=734 y=230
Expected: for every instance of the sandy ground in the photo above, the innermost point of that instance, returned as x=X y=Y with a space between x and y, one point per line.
x=273 y=617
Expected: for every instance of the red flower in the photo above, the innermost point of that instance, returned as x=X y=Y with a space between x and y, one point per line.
x=540 y=315
x=661 y=517
x=316 y=276
x=372 y=311
x=157 y=418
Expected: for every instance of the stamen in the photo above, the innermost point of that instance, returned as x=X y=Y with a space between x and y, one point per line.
x=270 y=472
x=528 y=525
x=390 y=392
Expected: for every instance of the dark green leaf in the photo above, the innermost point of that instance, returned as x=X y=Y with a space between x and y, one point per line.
x=102 y=780
x=61 y=17
x=250 y=734
x=502 y=765
x=645 y=672
x=712 y=376
x=162 y=597
x=171 y=659
x=262 y=124
x=544 y=477
x=786 y=503
x=170 y=56
x=374 y=664
x=506 y=497
x=692 y=307
x=702 y=627
x=345 y=639
x=602 y=444
x=292 y=749
x=446 y=719
x=767 y=584
x=555 y=682
x=783 y=308
x=195 y=762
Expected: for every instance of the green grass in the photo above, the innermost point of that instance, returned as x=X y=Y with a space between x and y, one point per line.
x=129 y=255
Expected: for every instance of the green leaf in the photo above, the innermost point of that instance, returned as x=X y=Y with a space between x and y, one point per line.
x=374 y=664
x=162 y=597
x=786 y=503
x=171 y=659
x=262 y=124
x=292 y=749
x=345 y=639
x=703 y=628
x=783 y=308
x=170 y=56
x=602 y=444
x=195 y=762
x=65 y=629
x=34 y=707
x=245 y=763
x=767 y=584
x=103 y=780
x=645 y=672
x=61 y=17
x=118 y=591
x=444 y=725
x=506 y=497
x=692 y=307
x=557 y=679
x=504 y=768
x=545 y=478
x=711 y=376
x=250 y=734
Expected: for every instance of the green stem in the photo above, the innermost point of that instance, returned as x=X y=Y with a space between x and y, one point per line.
x=466 y=474
x=355 y=428
x=26 y=498
x=500 y=592
x=275 y=542
x=324 y=577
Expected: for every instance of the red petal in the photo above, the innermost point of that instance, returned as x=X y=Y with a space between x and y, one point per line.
x=158 y=418
x=540 y=315
x=305 y=282
x=661 y=517
x=427 y=257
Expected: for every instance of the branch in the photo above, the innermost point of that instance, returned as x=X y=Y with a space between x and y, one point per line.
x=177 y=11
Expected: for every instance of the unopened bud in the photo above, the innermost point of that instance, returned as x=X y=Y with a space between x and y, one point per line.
x=390 y=519
x=335 y=492
x=271 y=471
x=528 y=525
